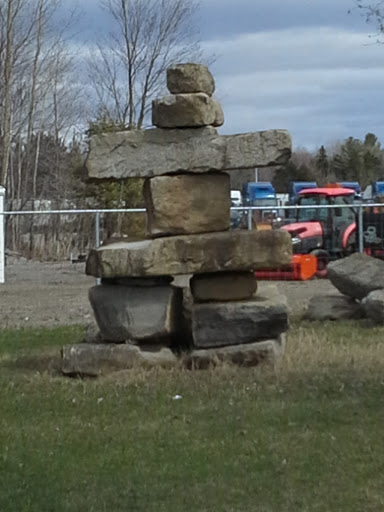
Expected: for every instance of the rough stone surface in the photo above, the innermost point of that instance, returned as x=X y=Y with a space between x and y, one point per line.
x=333 y=307
x=250 y=354
x=136 y=314
x=100 y=359
x=184 y=111
x=219 y=117
x=93 y=334
x=373 y=305
x=183 y=204
x=223 y=286
x=357 y=275
x=190 y=77
x=154 y=152
x=216 y=324
x=192 y=254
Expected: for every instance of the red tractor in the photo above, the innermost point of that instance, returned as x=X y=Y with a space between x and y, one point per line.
x=319 y=235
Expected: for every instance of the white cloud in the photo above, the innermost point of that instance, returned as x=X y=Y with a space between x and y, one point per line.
x=321 y=84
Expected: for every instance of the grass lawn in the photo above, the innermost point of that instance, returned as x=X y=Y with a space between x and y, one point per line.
x=304 y=436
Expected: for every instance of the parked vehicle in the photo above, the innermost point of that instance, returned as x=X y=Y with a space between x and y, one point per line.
x=236 y=199
x=263 y=194
x=377 y=190
x=356 y=187
x=295 y=187
x=323 y=233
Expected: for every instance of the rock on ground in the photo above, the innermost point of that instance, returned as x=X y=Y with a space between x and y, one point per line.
x=333 y=307
x=94 y=360
x=216 y=324
x=373 y=305
x=357 y=275
x=136 y=313
x=250 y=354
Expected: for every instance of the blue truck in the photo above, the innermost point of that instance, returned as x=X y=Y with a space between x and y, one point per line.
x=377 y=190
x=263 y=194
x=355 y=185
x=295 y=187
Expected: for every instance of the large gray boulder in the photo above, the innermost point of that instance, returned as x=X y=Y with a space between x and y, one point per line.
x=158 y=151
x=250 y=354
x=184 y=111
x=216 y=324
x=373 y=305
x=136 y=313
x=357 y=275
x=190 y=78
x=190 y=254
x=186 y=203
x=223 y=286
x=94 y=360
x=333 y=307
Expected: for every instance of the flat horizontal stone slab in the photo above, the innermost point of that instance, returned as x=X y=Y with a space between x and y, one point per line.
x=190 y=77
x=216 y=324
x=192 y=254
x=250 y=354
x=182 y=204
x=184 y=111
x=159 y=151
x=223 y=286
x=136 y=313
x=94 y=360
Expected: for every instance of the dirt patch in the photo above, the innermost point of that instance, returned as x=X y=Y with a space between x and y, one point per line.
x=44 y=294
x=39 y=294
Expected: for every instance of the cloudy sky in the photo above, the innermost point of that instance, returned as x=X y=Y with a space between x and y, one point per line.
x=304 y=65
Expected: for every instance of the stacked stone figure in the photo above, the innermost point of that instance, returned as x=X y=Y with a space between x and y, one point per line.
x=219 y=314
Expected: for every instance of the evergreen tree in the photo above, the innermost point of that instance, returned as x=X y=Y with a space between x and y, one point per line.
x=359 y=161
x=291 y=172
x=322 y=165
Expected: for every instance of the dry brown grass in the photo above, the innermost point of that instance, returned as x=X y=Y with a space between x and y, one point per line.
x=326 y=347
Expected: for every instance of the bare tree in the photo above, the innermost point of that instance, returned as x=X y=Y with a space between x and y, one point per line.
x=373 y=13
x=38 y=94
x=127 y=68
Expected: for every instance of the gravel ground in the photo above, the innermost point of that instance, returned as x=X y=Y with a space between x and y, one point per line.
x=49 y=294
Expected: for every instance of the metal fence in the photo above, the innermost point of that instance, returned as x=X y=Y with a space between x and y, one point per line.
x=368 y=234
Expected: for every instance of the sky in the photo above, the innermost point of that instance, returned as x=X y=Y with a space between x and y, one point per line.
x=307 y=66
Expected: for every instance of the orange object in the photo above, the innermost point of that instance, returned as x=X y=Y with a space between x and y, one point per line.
x=302 y=268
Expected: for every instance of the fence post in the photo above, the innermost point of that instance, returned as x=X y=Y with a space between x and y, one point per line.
x=249 y=219
x=97 y=238
x=360 y=228
x=2 y=236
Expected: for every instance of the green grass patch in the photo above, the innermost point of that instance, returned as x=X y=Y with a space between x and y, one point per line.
x=304 y=436
x=15 y=341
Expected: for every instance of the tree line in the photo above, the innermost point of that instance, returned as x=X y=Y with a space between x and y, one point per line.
x=54 y=89
x=351 y=160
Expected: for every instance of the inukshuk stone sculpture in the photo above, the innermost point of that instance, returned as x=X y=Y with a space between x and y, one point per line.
x=141 y=314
